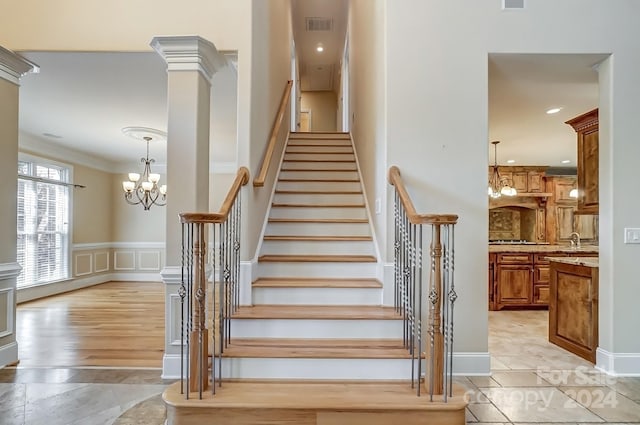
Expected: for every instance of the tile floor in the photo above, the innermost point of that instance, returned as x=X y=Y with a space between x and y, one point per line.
x=533 y=382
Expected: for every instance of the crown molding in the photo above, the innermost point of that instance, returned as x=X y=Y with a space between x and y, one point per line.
x=30 y=143
x=232 y=60
x=14 y=66
x=189 y=53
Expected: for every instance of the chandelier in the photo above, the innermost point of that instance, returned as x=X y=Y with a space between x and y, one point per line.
x=499 y=185
x=143 y=188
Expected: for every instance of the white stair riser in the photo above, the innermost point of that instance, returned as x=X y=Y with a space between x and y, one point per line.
x=318 y=213
x=296 y=165
x=319 y=198
x=317 y=296
x=320 y=270
x=317 y=247
x=326 y=175
x=319 y=157
x=317 y=229
x=318 y=149
x=312 y=328
x=312 y=185
x=343 y=369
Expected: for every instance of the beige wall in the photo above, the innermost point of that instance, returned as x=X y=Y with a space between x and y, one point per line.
x=8 y=170
x=131 y=223
x=92 y=206
x=82 y=25
x=323 y=106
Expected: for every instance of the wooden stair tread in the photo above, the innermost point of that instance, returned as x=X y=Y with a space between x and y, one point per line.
x=321 y=180
x=323 y=396
x=317 y=258
x=301 y=282
x=318 y=220
x=319 y=192
x=288 y=152
x=318 y=160
x=274 y=205
x=317 y=312
x=316 y=348
x=321 y=170
x=324 y=145
x=316 y=238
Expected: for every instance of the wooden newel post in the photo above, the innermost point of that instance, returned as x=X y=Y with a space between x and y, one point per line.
x=199 y=348
x=435 y=317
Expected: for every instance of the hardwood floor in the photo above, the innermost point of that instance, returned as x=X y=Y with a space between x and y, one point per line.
x=114 y=324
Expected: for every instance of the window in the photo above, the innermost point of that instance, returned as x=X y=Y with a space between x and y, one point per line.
x=43 y=221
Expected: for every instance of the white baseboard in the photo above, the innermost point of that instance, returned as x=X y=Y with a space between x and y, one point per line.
x=618 y=364
x=471 y=364
x=8 y=354
x=171 y=366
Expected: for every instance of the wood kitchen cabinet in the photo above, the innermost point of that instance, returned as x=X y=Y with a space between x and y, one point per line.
x=513 y=278
x=561 y=216
x=586 y=127
x=573 y=308
x=522 y=280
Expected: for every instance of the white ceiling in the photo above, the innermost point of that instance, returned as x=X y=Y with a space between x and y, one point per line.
x=81 y=101
x=319 y=71
x=87 y=98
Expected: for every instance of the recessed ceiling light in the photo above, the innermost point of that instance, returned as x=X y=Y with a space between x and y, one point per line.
x=566 y=161
x=319 y=48
x=510 y=161
x=553 y=111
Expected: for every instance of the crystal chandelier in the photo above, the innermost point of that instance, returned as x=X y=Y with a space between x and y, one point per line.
x=143 y=188
x=499 y=185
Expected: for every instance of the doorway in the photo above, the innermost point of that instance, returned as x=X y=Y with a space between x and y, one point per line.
x=531 y=96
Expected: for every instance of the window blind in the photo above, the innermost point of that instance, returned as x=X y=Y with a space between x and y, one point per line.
x=43 y=223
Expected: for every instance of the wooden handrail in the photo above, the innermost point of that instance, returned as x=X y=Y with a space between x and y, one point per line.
x=271 y=145
x=414 y=217
x=242 y=178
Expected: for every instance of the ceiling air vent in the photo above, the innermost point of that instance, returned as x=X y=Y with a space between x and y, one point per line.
x=512 y=4
x=319 y=24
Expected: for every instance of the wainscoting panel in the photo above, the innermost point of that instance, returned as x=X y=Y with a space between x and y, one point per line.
x=83 y=264
x=149 y=260
x=6 y=312
x=124 y=260
x=101 y=261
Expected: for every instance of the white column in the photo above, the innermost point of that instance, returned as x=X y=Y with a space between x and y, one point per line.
x=12 y=67
x=191 y=63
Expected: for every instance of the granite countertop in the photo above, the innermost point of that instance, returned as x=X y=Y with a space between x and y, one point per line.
x=580 y=261
x=542 y=248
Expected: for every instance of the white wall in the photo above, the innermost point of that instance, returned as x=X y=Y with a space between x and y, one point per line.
x=270 y=71
x=438 y=132
x=367 y=96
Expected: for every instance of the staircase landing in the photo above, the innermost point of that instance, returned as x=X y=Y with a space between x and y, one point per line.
x=313 y=403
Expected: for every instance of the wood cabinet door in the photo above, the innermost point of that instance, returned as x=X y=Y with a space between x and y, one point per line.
x=514 y=284
x=564 y=222
x=520 y=181
x=588 y=177
x=586 y=226
x=561 y=189
x=535 y=182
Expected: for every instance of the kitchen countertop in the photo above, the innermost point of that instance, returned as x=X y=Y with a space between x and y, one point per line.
x=580 y=261
x=542 y=248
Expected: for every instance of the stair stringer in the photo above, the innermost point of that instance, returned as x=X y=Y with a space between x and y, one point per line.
x=380 y=269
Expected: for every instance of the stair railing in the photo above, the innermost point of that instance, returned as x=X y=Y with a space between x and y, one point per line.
x=258 y=181
x=206 y=308
x=418 y=293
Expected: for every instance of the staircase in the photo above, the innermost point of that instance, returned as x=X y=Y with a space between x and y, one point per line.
x=317 y=331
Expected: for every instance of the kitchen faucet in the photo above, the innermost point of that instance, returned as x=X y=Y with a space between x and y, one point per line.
x=575 y=239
